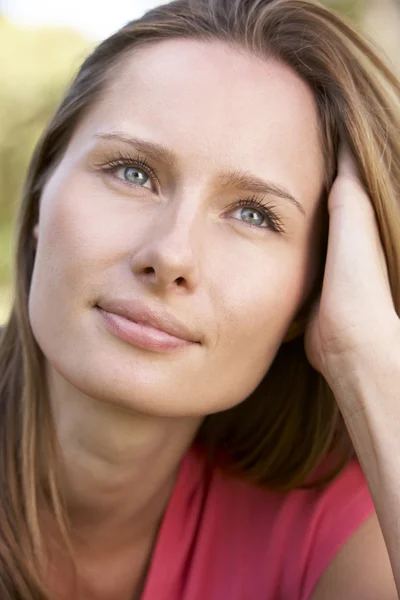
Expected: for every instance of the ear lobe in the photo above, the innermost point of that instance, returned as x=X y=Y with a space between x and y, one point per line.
x=296 y=329
x=35 y=234
x=299 y=325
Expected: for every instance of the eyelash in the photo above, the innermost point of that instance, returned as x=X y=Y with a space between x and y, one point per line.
x=119 y=160
x=269 y=212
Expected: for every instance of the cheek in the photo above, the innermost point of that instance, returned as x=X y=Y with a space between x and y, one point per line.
x=57 y=257
x=262 y=302
x=74 y=235
x=255 y=313
x=59 y=271
x=70 y=250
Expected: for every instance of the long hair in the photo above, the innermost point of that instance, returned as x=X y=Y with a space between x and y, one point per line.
x=278 y=435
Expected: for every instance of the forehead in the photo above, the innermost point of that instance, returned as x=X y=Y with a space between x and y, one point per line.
x=210 y=102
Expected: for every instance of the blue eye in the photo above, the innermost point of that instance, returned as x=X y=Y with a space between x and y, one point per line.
x=131 y=170
x=134 y=175
x=252 y=217
x=258 y=213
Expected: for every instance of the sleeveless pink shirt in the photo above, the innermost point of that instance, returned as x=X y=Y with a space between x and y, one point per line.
x=229 y=540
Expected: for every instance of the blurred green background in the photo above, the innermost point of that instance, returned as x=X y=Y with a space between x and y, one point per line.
x=36 y=65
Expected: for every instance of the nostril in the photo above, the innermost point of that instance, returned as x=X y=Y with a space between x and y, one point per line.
x=149 y=270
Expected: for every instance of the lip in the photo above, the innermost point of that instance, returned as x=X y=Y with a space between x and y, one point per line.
x=140 y=326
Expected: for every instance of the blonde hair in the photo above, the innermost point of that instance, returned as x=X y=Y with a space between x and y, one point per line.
x=280 y=433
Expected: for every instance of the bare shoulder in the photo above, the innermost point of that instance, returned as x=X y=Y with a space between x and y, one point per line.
x=361 y=568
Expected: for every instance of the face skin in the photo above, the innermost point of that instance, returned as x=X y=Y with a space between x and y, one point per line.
x=180 y=243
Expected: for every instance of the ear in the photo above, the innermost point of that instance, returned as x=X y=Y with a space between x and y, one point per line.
x=296 y=329
x=35 y=234
x=299 y=323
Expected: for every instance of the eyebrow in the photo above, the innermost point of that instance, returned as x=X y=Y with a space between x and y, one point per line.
x=154 y=150
x=259 y=186
x=242 y=179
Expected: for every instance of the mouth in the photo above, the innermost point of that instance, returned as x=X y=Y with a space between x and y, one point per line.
x=145 y=330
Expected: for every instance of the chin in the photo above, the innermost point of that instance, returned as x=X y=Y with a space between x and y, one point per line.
x=86 y=363
x=146 y=389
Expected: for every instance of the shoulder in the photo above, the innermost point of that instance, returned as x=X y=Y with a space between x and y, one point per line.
x=293 y=537
x=301 y=545
x=360 y=569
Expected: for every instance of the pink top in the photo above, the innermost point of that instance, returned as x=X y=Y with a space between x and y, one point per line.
x=231 y=540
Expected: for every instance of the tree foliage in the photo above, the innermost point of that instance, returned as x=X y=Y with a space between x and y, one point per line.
x=349 y=8
x=35 y=67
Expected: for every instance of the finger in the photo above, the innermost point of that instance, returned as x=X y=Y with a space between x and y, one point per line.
x=347 y=169
x=346 y=163
x=355 y=251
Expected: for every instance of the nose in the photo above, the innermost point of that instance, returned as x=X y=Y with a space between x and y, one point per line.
x=166 y=258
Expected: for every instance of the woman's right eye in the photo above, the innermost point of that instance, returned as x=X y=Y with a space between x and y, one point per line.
x=130 y=170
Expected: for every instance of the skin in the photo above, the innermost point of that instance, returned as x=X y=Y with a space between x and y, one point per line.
x=179 y=244
x=353 y=339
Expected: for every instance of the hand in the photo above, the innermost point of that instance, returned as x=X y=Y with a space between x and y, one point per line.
x=354 y=317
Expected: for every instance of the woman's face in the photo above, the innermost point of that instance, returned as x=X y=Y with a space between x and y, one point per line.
x=188 y=199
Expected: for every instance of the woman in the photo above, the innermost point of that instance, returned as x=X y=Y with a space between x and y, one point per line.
x=163 y=433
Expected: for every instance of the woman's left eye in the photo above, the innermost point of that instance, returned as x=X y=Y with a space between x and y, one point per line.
x=250 y=215
x=256 y=213
x=133 y=175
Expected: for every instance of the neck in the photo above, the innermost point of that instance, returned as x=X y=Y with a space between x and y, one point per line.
x=118 y=467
